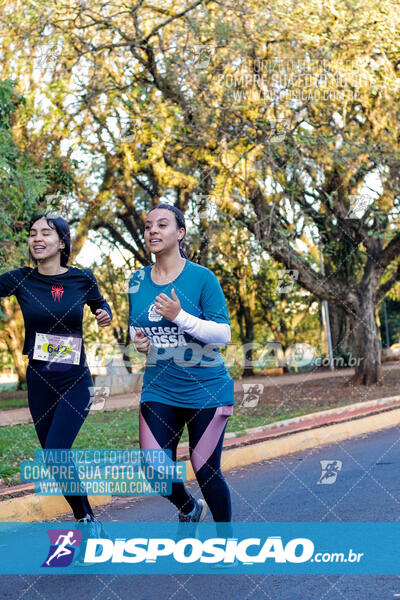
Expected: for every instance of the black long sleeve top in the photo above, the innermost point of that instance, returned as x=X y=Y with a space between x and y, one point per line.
x=53 y=304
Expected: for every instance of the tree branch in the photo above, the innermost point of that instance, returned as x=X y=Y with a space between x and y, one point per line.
x=385 y=287
x=391 y=251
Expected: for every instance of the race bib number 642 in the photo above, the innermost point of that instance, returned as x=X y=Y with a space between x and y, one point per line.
x=57 y=348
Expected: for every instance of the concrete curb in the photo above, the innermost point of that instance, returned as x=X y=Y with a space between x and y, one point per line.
x=325 y=417
x=40 y=508
x=313 y=438
x=277 y=439
x=317 y=429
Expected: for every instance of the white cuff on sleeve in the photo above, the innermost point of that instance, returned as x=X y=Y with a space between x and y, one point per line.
x=209 y=332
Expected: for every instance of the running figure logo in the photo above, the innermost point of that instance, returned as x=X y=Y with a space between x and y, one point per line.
x=330 y=471
x=57 y=292
x=62 y=547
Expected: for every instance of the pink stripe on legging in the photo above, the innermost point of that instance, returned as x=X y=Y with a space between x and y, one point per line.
x=147 y=440
x=210 y=438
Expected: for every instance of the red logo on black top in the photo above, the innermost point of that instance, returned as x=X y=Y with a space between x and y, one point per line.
x=57 y=292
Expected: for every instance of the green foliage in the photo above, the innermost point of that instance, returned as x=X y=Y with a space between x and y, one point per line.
x=262 y=106
x=21 y=182
x=59 y=174
x=24 y=179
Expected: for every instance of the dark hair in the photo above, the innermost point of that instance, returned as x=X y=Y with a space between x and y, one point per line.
x=62 y=228
x=180 y=221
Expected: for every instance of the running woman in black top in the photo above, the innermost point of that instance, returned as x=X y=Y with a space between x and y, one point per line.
x=52 y=297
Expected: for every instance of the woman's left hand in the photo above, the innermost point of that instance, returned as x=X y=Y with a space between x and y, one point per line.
x=102 y=317
x=167 y=307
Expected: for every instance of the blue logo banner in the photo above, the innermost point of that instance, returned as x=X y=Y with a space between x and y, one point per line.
x=209 y=548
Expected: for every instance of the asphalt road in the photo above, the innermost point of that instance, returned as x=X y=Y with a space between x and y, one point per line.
x=366 y=489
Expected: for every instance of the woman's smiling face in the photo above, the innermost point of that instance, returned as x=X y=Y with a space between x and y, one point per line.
x=160 y=230
x=43 y=241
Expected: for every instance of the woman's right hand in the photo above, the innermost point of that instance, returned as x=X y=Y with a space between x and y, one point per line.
x=141 y=342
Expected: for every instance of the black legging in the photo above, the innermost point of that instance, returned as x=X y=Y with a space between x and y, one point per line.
x=161 y=426
x=58 y=397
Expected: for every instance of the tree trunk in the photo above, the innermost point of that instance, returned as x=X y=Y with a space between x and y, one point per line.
x=368 y=369
x=340 y=325
x=246 y=327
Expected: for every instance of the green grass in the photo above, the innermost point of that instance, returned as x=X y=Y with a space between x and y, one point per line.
x=11 y=398
x=116 y=429
x=13 y=403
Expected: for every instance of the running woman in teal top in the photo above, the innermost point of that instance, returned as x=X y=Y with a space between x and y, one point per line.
x=178 y=317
